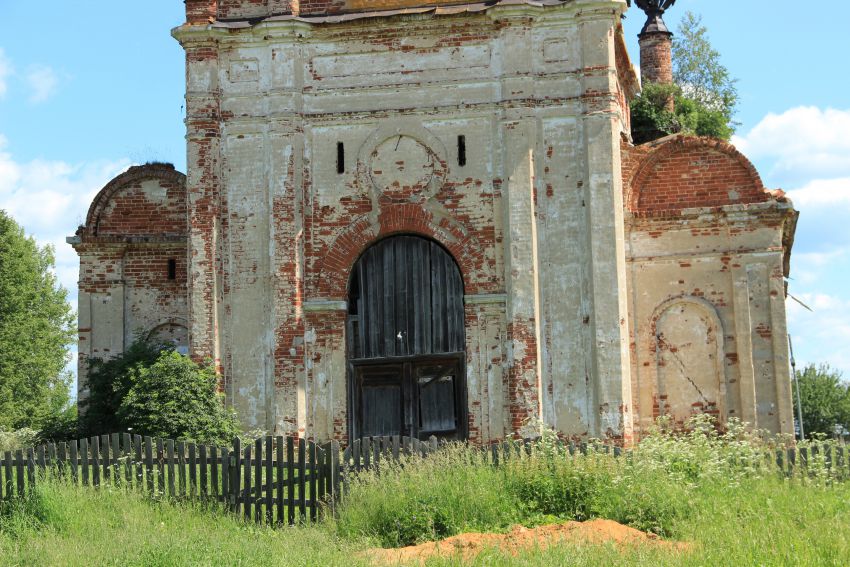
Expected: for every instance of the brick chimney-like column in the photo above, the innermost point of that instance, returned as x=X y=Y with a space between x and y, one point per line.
x=200 y=12
x=656 y=59
x=656 y=46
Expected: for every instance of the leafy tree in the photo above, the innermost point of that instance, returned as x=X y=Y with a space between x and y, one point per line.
x=36 y=328
x=697 y=69
x=825 y=400
x=109 y=380
x=174 y=397
x=153 y=390
x=705 y=95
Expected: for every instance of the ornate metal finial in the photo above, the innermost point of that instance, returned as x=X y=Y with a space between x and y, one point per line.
x=654 y=9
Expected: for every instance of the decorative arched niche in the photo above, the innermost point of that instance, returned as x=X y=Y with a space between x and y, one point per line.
x=171 y=332
x=688 y=338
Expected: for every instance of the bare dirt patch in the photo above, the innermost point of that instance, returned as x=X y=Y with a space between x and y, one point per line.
x=519 y=538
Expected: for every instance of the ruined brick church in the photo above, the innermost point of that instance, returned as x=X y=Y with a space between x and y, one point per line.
x=421 y=217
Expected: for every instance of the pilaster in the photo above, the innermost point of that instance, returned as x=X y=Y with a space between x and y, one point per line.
x=603 y=200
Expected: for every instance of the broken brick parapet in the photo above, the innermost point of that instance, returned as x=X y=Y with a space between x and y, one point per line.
x=144 y=201
x=200 y=11
x=681 y=172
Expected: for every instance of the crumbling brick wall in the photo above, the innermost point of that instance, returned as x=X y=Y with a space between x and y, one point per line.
x=133 y=279
x=707 y=254
x=309 y=145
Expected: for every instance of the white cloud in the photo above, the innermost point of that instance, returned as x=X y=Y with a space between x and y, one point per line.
x=50 y=199
x=823 y=192
x=801 y=143
x=42 y=82
x=5 y=72
x=821 y=335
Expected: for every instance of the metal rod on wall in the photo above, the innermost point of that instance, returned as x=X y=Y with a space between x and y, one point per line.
x=797 y=386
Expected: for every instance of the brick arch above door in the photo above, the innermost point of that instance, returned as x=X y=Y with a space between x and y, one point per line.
x=334 y=268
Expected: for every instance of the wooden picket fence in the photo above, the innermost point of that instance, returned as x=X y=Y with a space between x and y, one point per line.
x=277 y=480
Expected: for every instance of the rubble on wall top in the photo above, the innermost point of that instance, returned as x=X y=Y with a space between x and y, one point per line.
x=471 y=7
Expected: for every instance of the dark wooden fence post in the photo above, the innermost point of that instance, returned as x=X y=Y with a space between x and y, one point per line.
x=280 y=484
x=246 y=493
x=302 y=480
x=314 y=472
x=127 y=444
x=258 y=480
x=169 y=452
x=193 y=473
x=149 y=464
x=203 y=493
x=95 y=460
x=215 y=488
x=225 y=477
x=181 y=469
x=269 y=453
x=334 y=474
x=235 y=489
x=160 y=466
x=290 y=480
x=7 y=465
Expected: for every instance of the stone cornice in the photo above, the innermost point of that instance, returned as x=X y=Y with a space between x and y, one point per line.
x=114 y=241
x=699 y=217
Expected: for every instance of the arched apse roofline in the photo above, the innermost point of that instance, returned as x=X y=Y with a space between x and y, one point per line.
x=135 y=174
x=667 y=147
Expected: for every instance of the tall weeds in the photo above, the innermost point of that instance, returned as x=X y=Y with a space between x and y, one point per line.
x=652 y=487
x=419 y=499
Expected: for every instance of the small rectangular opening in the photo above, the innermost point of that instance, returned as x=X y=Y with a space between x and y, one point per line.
x=461 y=150
x=172 y=269
x=340 y=157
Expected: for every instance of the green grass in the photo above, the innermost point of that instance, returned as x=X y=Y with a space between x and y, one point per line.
x=761 y=522
x=65 y=525
x=715 y=491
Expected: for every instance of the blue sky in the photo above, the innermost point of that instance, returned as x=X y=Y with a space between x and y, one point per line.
x=89 y=88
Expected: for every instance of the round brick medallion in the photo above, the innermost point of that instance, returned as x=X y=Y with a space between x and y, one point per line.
x=401 y=166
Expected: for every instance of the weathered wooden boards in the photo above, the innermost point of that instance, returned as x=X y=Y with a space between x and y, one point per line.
x=274 y=480
x=406 y=341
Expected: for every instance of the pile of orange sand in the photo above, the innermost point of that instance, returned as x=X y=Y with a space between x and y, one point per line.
x=519 y=538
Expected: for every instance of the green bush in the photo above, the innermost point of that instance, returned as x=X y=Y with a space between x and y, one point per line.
x=17 y=439
x=150 y=389
x=62 y=427
x=176 y=398
x=108 y=381
x=651 y=120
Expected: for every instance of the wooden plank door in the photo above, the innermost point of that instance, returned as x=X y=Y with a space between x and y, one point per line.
x=405 y=340
x=380 y=400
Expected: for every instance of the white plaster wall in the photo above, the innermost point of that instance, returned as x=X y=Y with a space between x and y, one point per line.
x=731 y=263
x=542 y=176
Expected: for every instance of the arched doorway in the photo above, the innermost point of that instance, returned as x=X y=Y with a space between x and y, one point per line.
x=406 y=342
